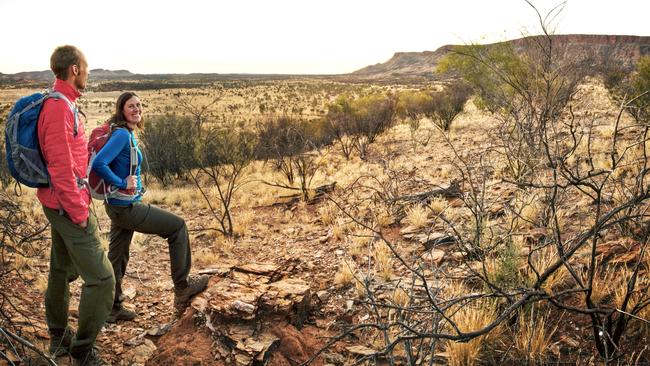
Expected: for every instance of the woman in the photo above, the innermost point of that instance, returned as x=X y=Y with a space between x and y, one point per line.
x=129 y=214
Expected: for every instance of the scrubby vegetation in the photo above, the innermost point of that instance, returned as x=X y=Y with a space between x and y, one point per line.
x=500 y=217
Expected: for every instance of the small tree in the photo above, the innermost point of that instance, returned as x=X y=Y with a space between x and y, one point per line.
x=448 y=103
x=290 y=143
x=413 y=104
x=199 y=111
x=356 y=123
x=222 y=156
x=21 y=243
x=340 y=124
x=373 y=114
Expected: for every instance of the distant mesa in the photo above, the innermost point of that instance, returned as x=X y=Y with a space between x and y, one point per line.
x=600 y=49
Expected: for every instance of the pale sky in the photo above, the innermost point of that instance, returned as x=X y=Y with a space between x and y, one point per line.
x=280 y=36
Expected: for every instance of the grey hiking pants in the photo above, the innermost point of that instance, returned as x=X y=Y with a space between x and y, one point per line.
x=147 y=219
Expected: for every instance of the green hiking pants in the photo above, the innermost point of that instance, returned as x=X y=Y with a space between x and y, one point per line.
x=147 y=219
x=75 y=252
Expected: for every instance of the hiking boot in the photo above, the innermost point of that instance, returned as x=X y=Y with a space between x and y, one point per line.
x=60 y=343
x=195 y=284
x=120 y=313
x=88 y=358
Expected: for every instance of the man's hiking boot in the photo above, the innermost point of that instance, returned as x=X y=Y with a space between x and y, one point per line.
x=120 y=313
x=88 y=358
x=60 y=341
x=195 y=284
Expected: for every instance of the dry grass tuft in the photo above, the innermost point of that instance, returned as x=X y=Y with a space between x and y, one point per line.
x=206 y=257
x=469 y=318
x=604 y=279
x=542 y=259
x=327 y=213
x=345 y=274
x=438 y=205
x=417 y=216
x=383 y=261
x=401 y=298
x=40 y=283
x=243 y=221
x=533 y=338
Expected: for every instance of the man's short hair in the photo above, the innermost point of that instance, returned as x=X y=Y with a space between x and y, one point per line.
x=62 y=58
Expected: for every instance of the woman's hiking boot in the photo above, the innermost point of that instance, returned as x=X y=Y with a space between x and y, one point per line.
x=182 y=295
x=120 y=313
x=60 y=341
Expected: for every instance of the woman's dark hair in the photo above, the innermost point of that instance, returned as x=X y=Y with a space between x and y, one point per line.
x=117 y=119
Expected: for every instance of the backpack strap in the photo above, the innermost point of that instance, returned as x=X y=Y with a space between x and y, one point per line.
x=73 y=108
x=133 y=155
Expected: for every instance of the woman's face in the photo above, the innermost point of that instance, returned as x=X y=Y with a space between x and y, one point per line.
x=132 y=110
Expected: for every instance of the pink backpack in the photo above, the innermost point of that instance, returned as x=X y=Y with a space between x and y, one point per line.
x=98 y=188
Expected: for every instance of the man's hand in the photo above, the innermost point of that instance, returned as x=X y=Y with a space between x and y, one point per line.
x=84 y=224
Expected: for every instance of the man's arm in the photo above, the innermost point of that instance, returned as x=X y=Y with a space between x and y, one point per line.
x=57 y=141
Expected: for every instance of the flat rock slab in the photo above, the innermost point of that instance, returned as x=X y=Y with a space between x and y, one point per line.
x=242 y=310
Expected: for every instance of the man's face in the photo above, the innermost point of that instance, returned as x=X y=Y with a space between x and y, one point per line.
x=82 y=74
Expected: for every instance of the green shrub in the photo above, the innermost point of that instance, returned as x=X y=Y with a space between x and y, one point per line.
x=169 y=144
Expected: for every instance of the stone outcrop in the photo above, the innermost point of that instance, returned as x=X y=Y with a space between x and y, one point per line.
x=248 y=315
x=600 y=49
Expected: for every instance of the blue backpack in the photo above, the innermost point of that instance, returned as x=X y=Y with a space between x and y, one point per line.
x=24 y=157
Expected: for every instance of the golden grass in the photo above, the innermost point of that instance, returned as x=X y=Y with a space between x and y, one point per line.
x=138 y=242
x=40 y=283
x=359 y=242
x=327 y=213
x=533 y=338
x=542 y=259
x=417 y=216
x=360 y=288
x=604 y=282
x=401 y=298
x=345 y=274
x=205 y=257
x=384 y=218
x=468 y=318
x=438 y=205
x=225 y=244
x=383 y=261
x=242 y=221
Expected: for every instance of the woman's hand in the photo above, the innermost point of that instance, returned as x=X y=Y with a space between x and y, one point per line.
x=131 y=182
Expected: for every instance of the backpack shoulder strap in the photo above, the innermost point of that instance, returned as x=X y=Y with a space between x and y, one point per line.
x=133 y=154
x=73 y=108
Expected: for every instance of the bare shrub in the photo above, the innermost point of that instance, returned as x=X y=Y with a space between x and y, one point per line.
x=448 y=103
x=293 y=146
x=356 y=122
x=21 y=238
x=222 y=155
x=200 y=111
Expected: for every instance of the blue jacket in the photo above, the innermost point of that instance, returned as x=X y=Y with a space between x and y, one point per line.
x=112 y=163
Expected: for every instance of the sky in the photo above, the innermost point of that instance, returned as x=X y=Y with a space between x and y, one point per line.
x=281 y=36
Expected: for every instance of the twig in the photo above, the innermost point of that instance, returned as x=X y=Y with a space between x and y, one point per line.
x=27 y=344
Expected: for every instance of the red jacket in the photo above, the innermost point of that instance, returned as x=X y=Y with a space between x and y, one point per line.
x=65 y=154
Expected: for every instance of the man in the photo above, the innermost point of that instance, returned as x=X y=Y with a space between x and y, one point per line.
x=76 y=249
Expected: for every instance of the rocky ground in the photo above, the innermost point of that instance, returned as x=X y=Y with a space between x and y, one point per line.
x=273 y=296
